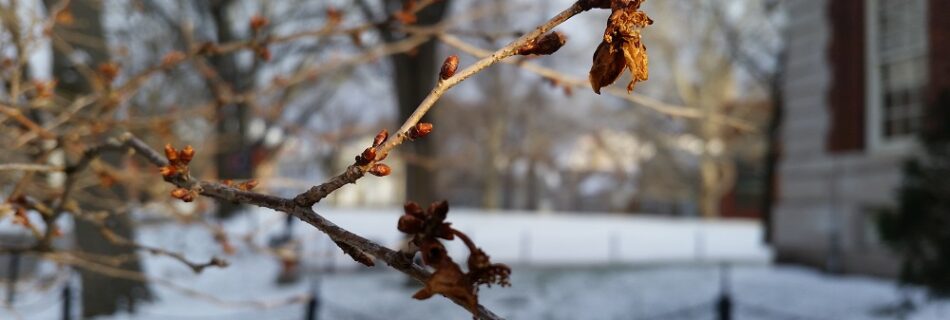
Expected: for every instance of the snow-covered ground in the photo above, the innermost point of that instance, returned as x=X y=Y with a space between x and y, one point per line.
x=565 y=267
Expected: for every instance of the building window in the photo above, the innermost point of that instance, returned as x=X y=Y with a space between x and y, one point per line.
x=898 y=45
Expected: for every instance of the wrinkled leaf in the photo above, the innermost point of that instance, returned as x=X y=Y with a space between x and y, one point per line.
x=608 y=64
x=622 y=47
x=448 y=280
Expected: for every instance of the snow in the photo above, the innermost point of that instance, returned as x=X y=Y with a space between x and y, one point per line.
x=523 y=238
x=580 y=266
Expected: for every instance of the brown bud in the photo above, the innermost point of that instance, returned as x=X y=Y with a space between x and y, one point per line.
x=167 y=171
x=420 y=130
x=334 y=16
x=439 y=209
x=360 y=161
x=380 y=170
x=449 y=67
x=186 y=154
x=109 y=71
x=264 y=53
x=182 y=194
x=172 y=58
x=591 y=4
x=227 y=182
x=409 y=224
x=544 y=45
x=65 y=17
x=380 y=137
x=369 y=154
x=257 y=22
x=414 y=209
x=207 y=48
x=248 y=185
x=171 y=154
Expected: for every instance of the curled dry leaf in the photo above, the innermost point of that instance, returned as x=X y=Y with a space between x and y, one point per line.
x=428 y=228
x=622 y=47
x=449 y=280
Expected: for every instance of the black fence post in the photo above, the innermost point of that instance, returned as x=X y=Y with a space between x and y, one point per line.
x=724 y=302
x=13 y=272
x=313 y=305
x=67 y=301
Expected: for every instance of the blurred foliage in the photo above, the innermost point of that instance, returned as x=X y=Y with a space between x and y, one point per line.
x=918 y=228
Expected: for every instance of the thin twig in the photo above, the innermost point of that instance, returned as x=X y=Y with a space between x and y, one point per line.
x=71 y=259
x=29 y=167
x=355 y=172
x=655 y=105
x=346 y=239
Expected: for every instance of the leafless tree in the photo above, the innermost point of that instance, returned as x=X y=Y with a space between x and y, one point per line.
x=102 y=119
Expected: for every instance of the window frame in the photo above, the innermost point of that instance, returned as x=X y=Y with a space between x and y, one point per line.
x=877 y=141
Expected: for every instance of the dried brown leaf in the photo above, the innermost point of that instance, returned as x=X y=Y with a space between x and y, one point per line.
x=622 y=47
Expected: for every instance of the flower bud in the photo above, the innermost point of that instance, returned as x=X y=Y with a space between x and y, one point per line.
x=248 y=185
x=264 y=53
x=380 y=170
x=369 y=154
x=420 y=130
x=186 y=154
x=167 y=171
x=171 y=154
x=182 y=194
x=449 y=67
x=109 y=71
x=257 y=22
x=409 y=224
x=380 y=137
x=544 y=45
x=172 y=58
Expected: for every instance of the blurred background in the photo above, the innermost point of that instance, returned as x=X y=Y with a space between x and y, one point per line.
x=784 y=160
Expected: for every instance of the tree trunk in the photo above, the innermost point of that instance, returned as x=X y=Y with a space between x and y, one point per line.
x=414 y=76
x=101 y=295
x=773 y=149
x=233 y=156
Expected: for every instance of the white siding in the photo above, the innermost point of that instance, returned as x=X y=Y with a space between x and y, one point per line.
x=824 y=199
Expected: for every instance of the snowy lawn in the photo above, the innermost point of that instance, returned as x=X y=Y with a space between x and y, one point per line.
x=565 y=267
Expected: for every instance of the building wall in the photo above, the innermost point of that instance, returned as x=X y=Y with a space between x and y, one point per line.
x=827 y=196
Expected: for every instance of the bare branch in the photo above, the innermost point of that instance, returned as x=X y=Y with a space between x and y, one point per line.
x=655 y=105
x=355 y=172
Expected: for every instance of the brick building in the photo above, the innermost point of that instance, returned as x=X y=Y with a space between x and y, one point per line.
x=861 y=75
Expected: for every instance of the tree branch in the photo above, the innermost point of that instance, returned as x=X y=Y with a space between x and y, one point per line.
x=346 y=239
x=355 y=172
x=655 y=105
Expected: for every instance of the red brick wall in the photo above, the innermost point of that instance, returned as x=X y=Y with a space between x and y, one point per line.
x=847 y=56
x=939 y=27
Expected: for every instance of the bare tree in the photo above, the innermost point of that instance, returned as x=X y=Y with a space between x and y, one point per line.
x=101 y=295
x=108 y=131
